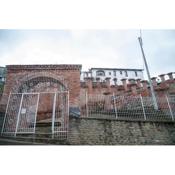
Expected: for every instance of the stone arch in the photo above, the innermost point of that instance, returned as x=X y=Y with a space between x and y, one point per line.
x=43 y=76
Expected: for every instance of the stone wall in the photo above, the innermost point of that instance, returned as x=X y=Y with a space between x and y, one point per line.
x=88 y=131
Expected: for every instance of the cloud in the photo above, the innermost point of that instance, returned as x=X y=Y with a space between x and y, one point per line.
x=91 y=48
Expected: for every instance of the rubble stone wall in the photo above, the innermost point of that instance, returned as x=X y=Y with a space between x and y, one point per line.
x=89 y=131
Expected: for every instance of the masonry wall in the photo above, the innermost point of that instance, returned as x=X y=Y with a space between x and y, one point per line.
x=88 y=131
x=130 y=87
x=18 y=74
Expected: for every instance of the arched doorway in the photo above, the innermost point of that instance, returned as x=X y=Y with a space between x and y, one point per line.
x=38 y=99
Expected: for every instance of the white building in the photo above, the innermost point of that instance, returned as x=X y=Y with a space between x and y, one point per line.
x=112 y=73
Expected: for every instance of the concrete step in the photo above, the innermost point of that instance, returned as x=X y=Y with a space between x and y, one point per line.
x=11 y=141
x=44 y=139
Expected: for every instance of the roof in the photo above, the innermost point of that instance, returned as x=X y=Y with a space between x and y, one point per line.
x=116 y=69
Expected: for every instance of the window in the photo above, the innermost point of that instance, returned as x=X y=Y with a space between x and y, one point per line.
x=120 y=72
x=126 y=73
x=109 y=73
x=136 y=73
x=100 y=73
x=114 y=73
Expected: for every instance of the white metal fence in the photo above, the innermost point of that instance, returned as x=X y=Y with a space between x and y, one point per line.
x=128 y=107
x=60 y=115
x=20 y=115
x=24 y=109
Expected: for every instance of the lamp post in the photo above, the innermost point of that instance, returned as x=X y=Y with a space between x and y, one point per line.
x=148 y=74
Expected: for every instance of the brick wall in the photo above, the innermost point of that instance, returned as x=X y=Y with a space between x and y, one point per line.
x=134 y=87
x=18 y=74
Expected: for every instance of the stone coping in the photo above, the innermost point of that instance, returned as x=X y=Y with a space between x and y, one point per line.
x=124 y=120
x=46 y=66
x=49 y=121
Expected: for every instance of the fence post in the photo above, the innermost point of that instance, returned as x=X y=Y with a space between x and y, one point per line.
x=5 y=113
x=86 y=96
x=67 y=118
x=19 y=112
x=170 y=108
x=143 y=107
x=53 y=113
x=115 y=108
x=38 y=95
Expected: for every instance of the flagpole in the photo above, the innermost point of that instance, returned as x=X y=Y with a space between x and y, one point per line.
x=148 y=73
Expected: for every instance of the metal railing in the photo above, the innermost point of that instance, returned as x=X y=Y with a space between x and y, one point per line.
x=17 y=118
x=25 y=110
x=128 y=107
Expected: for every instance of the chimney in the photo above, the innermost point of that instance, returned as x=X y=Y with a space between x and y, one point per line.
x=162 y=76
x=98 y=81
x=134 y=88
x=108 y=83
x=154 y=81
x=138 y=83
x=145 y=84
x=170 y=75
x=115 y=81
x=88 y=81
x=124 y=84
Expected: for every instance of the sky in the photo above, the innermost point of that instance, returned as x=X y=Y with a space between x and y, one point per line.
x=91 y=48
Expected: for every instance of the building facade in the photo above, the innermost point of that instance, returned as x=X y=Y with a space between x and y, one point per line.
x=115 y=74
x=39 y=99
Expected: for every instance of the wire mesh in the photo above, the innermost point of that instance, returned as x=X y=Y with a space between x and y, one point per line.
x=2 y=113
x=163 y=111
x=23 y=108
x=128 y=107
x=11 y=115
x=60 y=122
x=171 y=102
x=32 y=101
x=100 y=106
x=27 y=113
x=83 y=104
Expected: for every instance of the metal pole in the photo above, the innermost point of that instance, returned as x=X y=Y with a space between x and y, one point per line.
x=36 y=112
x=67 y=119
x=115 y=108
x=170 y=108
x=149 y=77
x=53 y=114
x=19 y=112
x=68 y=104
x=86 y=105
x=143 y=107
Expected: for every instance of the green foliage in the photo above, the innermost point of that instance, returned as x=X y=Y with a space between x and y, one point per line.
x=1 y=88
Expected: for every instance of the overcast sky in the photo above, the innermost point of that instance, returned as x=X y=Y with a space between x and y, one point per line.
x=91 y=48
